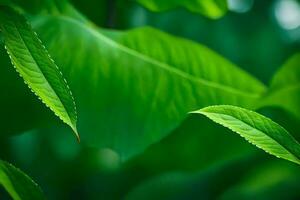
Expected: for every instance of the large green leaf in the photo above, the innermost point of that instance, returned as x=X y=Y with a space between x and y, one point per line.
x=17 y=184
x=134 y=87
x=33 y=63
x=285 y=87
x=257 y=129
x=210 y=8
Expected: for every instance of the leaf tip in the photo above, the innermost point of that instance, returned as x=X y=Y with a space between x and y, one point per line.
x=76 y=134
x=193 y=112
x=196 y=112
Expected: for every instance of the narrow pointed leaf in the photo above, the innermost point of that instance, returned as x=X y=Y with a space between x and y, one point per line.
x=17 y=184
x=34 y=64
x=257 y=129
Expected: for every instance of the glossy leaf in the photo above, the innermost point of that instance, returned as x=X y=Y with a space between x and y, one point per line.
x=17 y=184
x=210 y=8
x=139 y=85
x=257 y=129
x=285 y=88
x=32 y=61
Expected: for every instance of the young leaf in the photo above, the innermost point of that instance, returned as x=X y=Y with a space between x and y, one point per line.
x=210 y=8
x=17 y=184
x=285 y=88
x=257 y=129
x=32 y=61
x=139 y=85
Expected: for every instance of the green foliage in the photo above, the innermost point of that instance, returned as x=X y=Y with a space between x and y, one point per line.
x=33 y=63
x=257 y=129
x=210 y=8
x=134 y=90
x=18 y=184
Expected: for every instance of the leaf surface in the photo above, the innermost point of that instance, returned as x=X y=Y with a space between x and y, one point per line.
x=257 y=129
x=32 y=61
x=210 y=8
x=17 y=184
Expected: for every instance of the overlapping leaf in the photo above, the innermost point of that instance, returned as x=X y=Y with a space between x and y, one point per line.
x=32 y=61
x=257 y=129
x=17 y=184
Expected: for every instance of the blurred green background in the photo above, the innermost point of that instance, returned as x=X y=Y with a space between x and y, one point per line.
x=211 y=163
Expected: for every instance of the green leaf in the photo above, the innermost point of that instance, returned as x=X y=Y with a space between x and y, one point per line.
x=257 y=129
x=17 y=184
x=285 y=88
x=210 y=8
x=139 y=85
x=36 y=67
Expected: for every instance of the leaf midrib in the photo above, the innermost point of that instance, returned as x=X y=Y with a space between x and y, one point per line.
x=260 y=131
x=157 y=63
